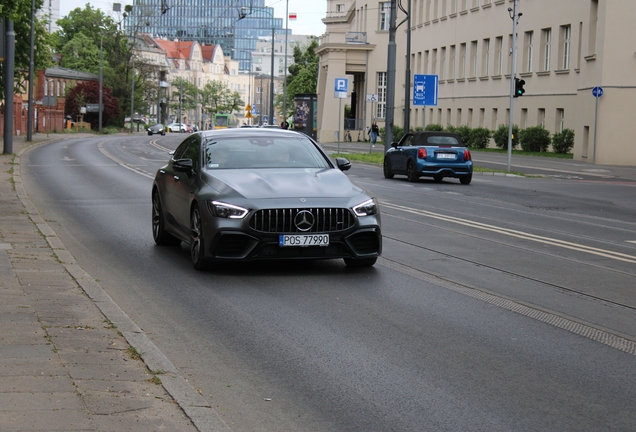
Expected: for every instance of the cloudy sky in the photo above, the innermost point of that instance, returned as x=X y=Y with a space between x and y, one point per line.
x=310 y=12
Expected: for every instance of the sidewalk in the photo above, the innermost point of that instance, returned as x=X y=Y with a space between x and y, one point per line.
x=70 y=358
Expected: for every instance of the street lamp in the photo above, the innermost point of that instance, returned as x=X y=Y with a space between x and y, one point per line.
x=101 y=81
x=242 y=14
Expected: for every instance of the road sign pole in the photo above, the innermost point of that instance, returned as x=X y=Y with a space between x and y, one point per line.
x=339 y=120
x=595 y=127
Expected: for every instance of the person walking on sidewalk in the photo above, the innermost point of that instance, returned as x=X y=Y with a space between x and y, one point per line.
x=375 y=131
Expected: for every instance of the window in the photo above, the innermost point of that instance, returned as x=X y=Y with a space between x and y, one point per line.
x=493 y=123
x=442 y=64
x=453 y=8
x=434 y=62
x=385 y=15
x=451 y=63
x=560 y=119
x=381 y=107
x=546 y=36
x=541 y=117
x=485 y=60
x=500 y=49
x=462 y=61
x=473 y=59
x=340 y=7
x=566 y=34
x=593 y=24
x=528 y=51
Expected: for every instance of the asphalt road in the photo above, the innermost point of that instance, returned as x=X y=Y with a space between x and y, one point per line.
x=504 y=305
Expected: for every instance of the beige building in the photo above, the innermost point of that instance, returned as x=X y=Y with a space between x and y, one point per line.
x=565 y=48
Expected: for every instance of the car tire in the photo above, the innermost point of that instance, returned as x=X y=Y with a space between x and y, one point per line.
x=163 y=134
x=465 y=180
x=387 y=169
x=411 y=172
x=159 y=233
x=361 y=262
x=149 y=133
x=438 y=178
x=196 y=240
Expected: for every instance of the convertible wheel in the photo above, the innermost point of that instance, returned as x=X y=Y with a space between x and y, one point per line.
x=363 y=262
x=411 y=172
x=196 y=240
x=159 y=233
x=466 y=179
x=387 y=169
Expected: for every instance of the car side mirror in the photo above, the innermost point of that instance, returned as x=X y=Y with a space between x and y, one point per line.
x=394 y=144
x=183 y=165
x=343 y=164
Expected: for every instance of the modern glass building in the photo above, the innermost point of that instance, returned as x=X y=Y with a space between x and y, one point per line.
x=236 y=25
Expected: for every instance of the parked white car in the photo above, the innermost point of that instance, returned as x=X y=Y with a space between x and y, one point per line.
x=178 y=127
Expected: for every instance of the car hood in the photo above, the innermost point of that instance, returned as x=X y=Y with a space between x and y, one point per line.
x=283 y=183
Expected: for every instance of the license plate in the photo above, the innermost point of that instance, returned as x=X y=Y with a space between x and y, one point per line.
x=445 y=156
x=303 y=240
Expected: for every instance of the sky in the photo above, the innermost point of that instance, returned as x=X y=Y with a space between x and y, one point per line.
x=309 y=21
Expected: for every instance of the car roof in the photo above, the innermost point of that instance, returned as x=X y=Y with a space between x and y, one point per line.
x=422 y=136
x=233 y=132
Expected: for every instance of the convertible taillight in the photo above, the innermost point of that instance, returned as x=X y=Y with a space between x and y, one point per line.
x=467 y=155
x=421 y=153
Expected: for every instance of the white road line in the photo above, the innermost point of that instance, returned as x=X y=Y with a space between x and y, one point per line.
x=518 y=234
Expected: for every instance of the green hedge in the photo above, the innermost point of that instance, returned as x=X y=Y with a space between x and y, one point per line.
x=563 y=142
x=500 y=136
x=534 y=139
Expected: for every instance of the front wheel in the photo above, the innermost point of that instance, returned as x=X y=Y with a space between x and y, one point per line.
x=411 y=172
x=387 y=169
x=363 y=262
x=466 y=179
x=159 y=233
x=196 y=240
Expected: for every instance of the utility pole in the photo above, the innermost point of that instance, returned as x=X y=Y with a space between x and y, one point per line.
x=390 y=79
x=407 y=79
x=514 y=16
x=132 y=94
x=9 y=77
x=31 y=73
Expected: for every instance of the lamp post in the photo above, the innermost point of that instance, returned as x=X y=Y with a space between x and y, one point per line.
x=242 y=14
x=50 y=92
x=101 y=81
x=285 y=71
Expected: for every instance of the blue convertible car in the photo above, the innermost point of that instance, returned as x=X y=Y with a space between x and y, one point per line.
x=429 y=154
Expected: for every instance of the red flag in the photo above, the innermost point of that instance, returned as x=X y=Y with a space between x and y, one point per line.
x=292 y=15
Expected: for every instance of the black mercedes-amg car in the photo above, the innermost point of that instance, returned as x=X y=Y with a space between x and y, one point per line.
x=247 y=194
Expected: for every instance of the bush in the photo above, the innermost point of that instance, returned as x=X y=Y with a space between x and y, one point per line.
x=563 y=142
x=434 y=127
x=479 y=137
x=398 y=132
x=501 y=136
x=534 y=139
x=110 y=130
x=464 y=133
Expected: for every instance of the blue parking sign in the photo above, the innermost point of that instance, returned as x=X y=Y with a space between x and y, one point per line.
x=342 y=85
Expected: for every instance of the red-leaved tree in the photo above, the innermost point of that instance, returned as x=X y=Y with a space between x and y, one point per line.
x=88 y=93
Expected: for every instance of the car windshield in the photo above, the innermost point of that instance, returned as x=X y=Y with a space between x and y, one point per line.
x=437 y=140
x=262 y=152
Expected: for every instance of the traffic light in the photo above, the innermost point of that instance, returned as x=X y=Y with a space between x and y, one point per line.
x=519 y=91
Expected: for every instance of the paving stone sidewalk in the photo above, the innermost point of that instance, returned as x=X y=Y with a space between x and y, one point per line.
x=65 y=364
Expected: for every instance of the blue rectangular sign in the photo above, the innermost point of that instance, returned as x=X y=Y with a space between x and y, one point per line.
x=425 y=89
x=342 y=85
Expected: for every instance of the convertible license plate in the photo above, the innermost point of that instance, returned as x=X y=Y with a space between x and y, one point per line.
x=445 y=156
x=303 y=240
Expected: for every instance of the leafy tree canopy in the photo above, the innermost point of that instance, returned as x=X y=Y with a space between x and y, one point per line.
x=88 y=93
x=19 y=11
x=303 y=75
x=81 y=54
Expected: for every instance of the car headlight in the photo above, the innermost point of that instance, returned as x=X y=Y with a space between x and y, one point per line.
x=225 y=210
x=367 y=208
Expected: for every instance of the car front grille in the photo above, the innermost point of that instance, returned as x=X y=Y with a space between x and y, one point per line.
x=284 y=220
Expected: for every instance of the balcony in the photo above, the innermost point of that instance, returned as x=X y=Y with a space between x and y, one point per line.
x=356 y=37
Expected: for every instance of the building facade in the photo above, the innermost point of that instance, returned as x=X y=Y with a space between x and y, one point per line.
x=564 y=50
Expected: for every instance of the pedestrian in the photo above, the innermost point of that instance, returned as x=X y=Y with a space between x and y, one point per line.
x=375 y=131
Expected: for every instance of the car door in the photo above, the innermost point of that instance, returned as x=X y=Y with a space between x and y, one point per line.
x=185 y=182
x=399 y=156
x=179 y=184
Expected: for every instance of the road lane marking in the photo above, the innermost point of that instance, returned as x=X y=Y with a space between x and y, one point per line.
x=518 y=234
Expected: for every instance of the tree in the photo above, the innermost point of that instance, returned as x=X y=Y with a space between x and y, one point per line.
x=19 y=11
x=303 y=75
x=216 y=98
x=88 y=93
x=81 y=54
